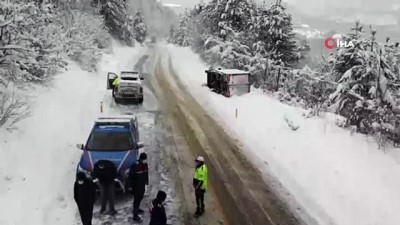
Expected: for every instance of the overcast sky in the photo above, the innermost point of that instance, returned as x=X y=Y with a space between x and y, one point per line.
x=368 y=11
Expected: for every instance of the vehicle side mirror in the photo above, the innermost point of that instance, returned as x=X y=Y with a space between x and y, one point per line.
x=142 y=78
x=140 y=145
x=80 y=146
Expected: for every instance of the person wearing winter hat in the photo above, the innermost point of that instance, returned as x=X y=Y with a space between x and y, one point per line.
x=105 y=174
x=139 y=178
x=157 y=210
x=85 y=196
x=200 y=182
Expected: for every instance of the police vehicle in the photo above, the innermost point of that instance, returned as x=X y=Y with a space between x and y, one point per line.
x=113 y=138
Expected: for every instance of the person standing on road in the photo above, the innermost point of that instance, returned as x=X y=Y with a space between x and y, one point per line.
x=85 y=196
x=139 y=178
x=200 y=182
x=157 y=210
x=105 y=174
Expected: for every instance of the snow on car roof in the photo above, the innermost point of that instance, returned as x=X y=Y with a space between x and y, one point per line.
x=129 y=74
x=116 y=119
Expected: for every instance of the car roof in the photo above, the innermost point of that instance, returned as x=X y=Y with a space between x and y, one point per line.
x=127 y=74
x=116 y=119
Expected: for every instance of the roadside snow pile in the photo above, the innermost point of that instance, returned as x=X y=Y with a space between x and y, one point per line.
x=38 y=161
x=338 y=178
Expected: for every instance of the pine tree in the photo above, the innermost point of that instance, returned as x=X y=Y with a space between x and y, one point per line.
x=275 y=39
x=235 y=17
x=118 y=21
x=366 y=82
x=171 y=34
x=180 y=35
x=140 y=27
x=280 y=39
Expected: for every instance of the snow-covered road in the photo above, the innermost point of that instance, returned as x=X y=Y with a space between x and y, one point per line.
x=236 y=183
x=330 y=175
x=38 y=161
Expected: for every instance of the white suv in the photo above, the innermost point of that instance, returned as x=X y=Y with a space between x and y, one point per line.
x=129 y=87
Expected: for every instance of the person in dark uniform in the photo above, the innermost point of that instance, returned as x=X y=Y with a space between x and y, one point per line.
x=85 y=196
x=139 y=178
x=105 y=173
x=157 y=210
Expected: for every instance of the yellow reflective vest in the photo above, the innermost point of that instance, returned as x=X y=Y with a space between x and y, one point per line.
x=201 y=174
x=116 y=81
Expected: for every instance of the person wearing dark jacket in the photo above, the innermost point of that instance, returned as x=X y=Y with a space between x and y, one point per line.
x=105 y=173
x=85 y=196
x=139 y=178
x=157 y=210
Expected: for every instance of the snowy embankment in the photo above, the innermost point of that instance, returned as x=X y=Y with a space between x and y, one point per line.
x=338 y=178
x=38 y=161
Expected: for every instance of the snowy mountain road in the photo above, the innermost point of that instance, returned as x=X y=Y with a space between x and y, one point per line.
x=243 y=195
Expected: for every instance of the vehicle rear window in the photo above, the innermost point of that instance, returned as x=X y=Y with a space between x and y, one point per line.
x=109 y=141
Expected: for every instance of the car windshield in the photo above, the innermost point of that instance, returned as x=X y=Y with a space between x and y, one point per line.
x=110 y=141
x=129 y=78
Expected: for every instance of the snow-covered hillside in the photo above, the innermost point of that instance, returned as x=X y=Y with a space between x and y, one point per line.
x=38 y=162
x=337 y=177
x=305 y=30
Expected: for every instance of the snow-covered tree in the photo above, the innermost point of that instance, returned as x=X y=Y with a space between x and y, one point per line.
x=181 y=31
x=84 y=36
x=28 y=49
x=368 y=85
x=171 y=34
x=36 y=40
x=140 y=27
x=275 y=38
x=118 y=21
x=275 y=30
x=230 y=54
x=236 y=16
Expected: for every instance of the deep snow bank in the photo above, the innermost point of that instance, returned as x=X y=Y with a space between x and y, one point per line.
x=338 y=178
x=37 y=162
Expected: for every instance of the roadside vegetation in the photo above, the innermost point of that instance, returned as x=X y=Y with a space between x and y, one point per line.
x=39 y=38
x=360 y=83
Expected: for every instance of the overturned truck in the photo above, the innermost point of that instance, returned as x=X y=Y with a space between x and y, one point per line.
x=228 y=82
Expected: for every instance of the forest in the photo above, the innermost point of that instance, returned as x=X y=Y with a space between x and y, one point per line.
x=39 y=38
x=360 y=82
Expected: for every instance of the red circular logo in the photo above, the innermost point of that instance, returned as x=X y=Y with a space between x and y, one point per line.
x=330 y=43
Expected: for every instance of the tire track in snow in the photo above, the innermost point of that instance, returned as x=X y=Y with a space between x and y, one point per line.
x=152 y=133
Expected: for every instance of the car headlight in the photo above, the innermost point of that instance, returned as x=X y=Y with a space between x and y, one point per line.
x=87 y=173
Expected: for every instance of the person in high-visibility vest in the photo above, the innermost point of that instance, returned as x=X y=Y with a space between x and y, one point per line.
x=115 y=84
x=116 y=81
x=200 y=182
